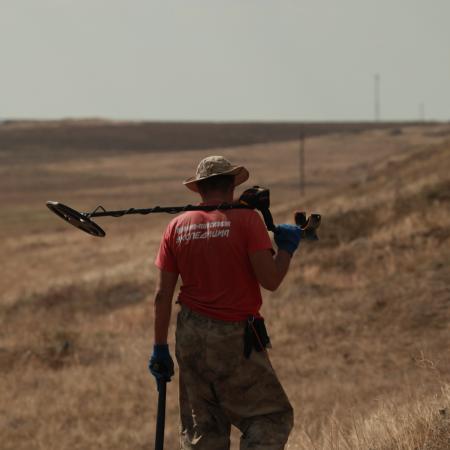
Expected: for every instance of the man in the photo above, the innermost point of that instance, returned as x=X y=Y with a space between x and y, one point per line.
x=223 y=257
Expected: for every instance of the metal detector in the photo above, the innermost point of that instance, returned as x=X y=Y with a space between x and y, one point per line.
x=254 y=198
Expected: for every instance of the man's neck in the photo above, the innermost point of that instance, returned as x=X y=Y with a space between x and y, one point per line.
x=217 y=198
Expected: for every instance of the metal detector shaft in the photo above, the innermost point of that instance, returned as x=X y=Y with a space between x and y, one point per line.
x=161 y=415
x=163 y=209
x=82 y=220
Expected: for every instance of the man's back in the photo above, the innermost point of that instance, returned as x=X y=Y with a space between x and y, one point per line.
x=211 y=252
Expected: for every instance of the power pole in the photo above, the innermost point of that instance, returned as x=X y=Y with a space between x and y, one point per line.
x=301 y=161
x=422 y=112
x=377 y=97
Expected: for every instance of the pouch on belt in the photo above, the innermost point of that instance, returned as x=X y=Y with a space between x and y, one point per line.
x=255 y=336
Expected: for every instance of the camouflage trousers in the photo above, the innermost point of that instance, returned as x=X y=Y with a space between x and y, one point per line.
x=219 y=387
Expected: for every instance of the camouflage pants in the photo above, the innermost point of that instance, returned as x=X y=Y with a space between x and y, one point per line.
x=219 y=387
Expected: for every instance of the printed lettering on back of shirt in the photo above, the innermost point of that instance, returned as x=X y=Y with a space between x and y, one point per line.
x=208 y=230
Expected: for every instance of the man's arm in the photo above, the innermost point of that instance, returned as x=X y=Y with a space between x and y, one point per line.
x=163 y=305
x=269 y=270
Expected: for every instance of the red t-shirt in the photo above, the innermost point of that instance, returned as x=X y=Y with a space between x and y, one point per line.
x=210 y=250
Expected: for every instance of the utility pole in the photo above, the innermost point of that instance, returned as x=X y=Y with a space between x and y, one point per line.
x=301 y=161
x=377 y=97
x=422 y=112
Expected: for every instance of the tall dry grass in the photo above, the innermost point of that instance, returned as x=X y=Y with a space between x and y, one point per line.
x=412 y=423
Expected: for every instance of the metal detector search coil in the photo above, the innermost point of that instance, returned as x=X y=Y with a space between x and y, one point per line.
x=75 y=218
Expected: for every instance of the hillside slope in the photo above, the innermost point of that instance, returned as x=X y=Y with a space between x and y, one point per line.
x=367 y=311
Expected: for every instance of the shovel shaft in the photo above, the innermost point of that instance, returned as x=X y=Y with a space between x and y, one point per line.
x=161 y=415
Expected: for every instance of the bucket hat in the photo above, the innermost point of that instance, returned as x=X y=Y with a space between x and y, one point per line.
x=212 y=166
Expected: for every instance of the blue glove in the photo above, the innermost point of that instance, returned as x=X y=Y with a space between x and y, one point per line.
x=287 y=237
x=161 y=363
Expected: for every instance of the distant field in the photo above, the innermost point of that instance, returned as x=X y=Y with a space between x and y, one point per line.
x=360 y=327
x=73 y=138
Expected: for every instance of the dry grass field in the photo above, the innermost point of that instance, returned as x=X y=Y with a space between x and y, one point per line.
x=360 y=327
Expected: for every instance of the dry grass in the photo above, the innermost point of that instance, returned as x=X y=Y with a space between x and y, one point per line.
x=360 y=327
x=414 y=423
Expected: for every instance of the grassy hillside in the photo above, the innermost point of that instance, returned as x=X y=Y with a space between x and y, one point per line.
x=360 y=327
x=369 y=311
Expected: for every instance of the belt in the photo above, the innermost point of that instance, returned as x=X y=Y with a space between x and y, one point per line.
x=188 y=313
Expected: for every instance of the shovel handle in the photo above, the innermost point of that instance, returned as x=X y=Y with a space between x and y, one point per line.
x=161 y=415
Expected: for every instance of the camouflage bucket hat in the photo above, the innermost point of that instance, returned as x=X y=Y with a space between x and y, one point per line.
x=213 y=166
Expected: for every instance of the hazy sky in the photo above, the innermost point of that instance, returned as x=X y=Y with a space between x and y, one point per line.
x=224 y=59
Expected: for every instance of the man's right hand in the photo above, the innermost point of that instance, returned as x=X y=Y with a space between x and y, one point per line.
x=287 y=237
x=161 y=363
x=270 y=270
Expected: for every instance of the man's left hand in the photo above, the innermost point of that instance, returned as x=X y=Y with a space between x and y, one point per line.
x=287 y=237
